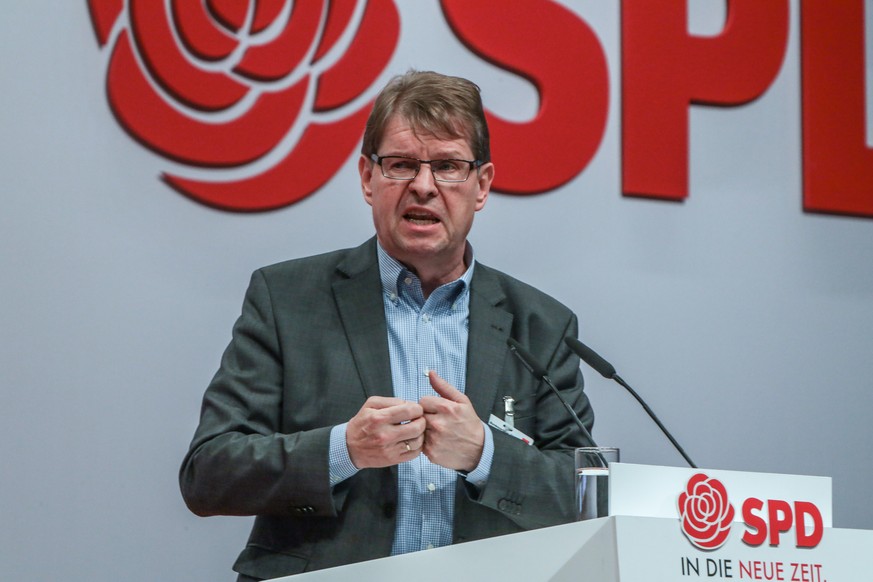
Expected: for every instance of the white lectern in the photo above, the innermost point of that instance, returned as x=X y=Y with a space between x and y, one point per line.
x=655 y=546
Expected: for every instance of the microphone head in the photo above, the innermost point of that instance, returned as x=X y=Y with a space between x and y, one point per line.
x=591 y=358
x=527 y=359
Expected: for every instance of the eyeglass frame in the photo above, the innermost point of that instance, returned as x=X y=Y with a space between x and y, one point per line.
x=473 y=164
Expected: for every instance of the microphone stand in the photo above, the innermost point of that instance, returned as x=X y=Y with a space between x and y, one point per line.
x=607 y=370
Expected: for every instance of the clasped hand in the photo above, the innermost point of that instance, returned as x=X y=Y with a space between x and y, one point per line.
x=445 y=428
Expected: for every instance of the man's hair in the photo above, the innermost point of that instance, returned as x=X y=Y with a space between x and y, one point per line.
x=431 y=103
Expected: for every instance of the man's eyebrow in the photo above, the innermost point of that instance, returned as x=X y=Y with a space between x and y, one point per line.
x=442 y=155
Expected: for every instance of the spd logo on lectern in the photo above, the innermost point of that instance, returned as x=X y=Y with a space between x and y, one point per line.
x=706 y=517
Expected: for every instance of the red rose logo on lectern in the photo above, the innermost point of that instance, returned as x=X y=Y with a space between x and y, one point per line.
x=705 y=512
x=258 y=102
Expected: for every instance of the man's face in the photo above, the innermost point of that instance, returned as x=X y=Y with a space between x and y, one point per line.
x=421 y=222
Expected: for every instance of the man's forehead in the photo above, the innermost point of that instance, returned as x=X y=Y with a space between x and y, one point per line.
x=453 y=135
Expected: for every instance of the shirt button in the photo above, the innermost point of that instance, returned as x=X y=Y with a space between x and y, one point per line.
x=431 y=487
x=408 y=280
x=429 y=546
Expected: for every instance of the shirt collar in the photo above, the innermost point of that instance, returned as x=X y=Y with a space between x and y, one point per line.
x=392 y=270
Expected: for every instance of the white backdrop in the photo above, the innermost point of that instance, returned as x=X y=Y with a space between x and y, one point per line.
x=745 y=322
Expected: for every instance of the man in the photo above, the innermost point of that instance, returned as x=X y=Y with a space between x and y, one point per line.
x=350 y=410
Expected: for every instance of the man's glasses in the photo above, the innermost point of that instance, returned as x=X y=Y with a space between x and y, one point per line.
x=402 y=168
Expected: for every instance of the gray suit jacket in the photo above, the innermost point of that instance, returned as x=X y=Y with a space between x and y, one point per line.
x=309 y=348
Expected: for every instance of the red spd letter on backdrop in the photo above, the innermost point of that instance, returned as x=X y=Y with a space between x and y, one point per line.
x=665 y=69
x=837 y=162
x=559 y=53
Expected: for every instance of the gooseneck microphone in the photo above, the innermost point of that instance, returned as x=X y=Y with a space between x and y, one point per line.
x=607 y=370
x=541 y=374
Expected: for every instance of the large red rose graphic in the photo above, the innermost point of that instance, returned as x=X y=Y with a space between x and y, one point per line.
x=258 y=101
x=705 y=512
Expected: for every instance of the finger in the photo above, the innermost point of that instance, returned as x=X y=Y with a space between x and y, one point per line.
x=410 y=430
x=400 y=413
x=380 y=402
x=379 y=424
x=434 y=404
x=445 y=389
x=412 y=445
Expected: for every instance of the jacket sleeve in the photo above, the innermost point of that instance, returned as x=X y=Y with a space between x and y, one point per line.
x=240 y=462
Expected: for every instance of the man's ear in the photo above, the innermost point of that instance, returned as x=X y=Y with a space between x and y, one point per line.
x=365 y=170
x=484 y=176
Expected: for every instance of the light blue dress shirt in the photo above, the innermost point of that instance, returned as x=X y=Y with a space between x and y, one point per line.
x=423 y=334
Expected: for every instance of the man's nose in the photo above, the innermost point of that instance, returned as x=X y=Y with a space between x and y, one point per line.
x=424 y=183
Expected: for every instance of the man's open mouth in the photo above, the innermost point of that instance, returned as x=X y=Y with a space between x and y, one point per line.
x=421 y=218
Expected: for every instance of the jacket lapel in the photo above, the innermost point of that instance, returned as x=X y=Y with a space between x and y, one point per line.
x=490 y=325
x=358 y=295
